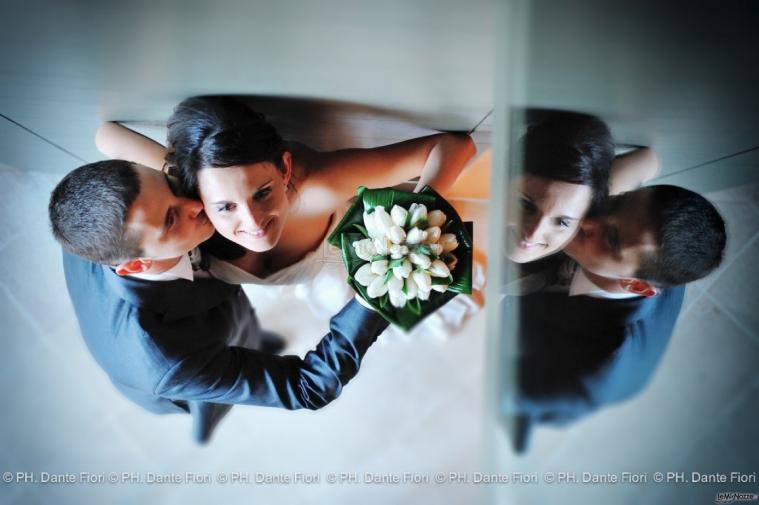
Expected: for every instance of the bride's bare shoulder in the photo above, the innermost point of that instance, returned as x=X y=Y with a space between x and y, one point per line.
x=306 y=160
x=316 y=192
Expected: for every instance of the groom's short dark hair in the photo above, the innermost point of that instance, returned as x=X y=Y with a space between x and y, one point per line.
x=690 y=234
x=88 y=211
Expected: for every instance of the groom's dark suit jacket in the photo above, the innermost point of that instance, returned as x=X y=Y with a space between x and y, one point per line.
x=579 y=353
x=164 y=343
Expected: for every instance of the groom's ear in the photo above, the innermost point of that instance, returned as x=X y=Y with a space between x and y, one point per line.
x=134 y=266
x=638 y=287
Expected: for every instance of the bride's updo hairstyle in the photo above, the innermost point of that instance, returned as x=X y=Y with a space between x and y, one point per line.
x=214 y=131
x=571 y=147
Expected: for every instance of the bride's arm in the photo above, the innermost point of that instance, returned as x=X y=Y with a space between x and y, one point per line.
x=447 y=158
x=629 y=171
x=437 y=160
x=118 y=142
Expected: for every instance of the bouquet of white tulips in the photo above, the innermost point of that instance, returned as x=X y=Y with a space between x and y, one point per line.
x=407 y=254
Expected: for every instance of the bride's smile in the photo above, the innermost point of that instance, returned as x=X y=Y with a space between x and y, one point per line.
x=247 y=204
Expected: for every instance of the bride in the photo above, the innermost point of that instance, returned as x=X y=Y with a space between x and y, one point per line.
x=277 y=199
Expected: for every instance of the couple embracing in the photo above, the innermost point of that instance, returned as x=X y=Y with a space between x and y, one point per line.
x=154 y=258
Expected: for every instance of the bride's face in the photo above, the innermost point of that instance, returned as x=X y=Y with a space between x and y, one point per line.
x=544 y=215
x=247 y=204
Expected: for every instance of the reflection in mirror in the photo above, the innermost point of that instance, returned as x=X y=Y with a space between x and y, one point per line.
x=629 y=347
x=602 y=276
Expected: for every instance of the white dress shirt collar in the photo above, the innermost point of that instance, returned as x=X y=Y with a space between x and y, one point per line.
x=182 y=270
x=582 y=285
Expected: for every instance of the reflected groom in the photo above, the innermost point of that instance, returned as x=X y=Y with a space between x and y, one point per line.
x=596 y=332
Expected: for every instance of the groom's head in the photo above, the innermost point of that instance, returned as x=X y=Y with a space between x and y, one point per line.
x=653 y=237
x=126 y=215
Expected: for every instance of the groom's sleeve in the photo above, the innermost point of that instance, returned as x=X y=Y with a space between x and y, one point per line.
x=224 y=374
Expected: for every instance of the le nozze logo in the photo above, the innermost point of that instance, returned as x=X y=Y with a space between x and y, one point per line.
x=724 y=498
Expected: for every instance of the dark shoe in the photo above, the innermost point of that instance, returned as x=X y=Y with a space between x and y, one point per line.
x=270 y=342
x=521 y=429
x=205 y=417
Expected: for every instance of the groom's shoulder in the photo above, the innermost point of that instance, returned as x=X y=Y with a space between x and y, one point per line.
x=81 y=274
x=100 y=285
x=74 y=262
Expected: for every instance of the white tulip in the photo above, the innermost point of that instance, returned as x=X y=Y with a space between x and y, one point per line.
x=439 y=269
x=379 y=267
x=418 y=213
x=382 y=219
x=364 y=275
x=411 y=288
x=415 y=236
x=377 y=288
x=423 y=295
x=371 y=226
x=397 y=298
x=404 y=270
x=420 y=259
x=449 y=242
x=436 y=249
x=396 y=234
x=441 y=288
x=394 y=283
x=433 y=235
x=395 y=251
x=364 y=249
x=436 y=218
x=422 y=280
x=382 y=245
x=398 y=215
x=398 y=251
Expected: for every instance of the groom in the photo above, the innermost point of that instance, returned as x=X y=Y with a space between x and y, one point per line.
x=596 y=333
x=170 y=337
